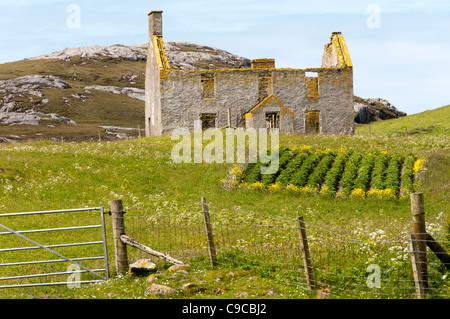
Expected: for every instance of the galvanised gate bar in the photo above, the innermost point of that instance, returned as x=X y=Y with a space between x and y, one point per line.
x=79 y=268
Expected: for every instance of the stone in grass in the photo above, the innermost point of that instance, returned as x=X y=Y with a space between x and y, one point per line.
x=241 y=295
x=272 y=292
x=142 y=266
x=218 y=291
x=151 y=278
x=188 y=286
x=183 y=267
x=156 y=289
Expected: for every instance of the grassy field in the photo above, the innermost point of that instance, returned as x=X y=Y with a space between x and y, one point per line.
x=53 y=175
x=429 y=123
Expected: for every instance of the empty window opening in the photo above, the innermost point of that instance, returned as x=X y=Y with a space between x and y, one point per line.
x=312 y=123
x=208 y=85
x=312 y=86
x=311 y=74
x=208 y=120
x=273 y=120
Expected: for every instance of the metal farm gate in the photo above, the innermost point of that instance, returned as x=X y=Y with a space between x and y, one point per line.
x=11 y=238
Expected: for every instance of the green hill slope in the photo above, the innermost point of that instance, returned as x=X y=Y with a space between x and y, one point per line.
x=88 y=108
x=430 y=123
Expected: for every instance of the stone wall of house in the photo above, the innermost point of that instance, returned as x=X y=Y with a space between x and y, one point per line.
x=182 y=99
x=176 y=98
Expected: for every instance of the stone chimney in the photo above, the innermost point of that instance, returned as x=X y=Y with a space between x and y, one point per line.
x=155 y=22
x=263 y=64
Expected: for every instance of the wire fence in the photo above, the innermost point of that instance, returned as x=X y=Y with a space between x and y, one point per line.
x=346 y=263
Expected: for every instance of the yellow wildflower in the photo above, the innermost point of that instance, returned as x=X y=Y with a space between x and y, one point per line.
x=257 y=185
x=358 y=192
x=419 y=164
x=292 y=188
x=275 y=187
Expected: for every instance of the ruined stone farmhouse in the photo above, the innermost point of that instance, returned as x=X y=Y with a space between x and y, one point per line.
x=310 y=100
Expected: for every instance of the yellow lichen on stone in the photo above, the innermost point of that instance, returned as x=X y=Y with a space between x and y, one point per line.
x=160 y=51
x=159 y=290
x=263 y=64
x=336 y=54
x=179 y=267
x=266 y=101
x=341 y=50
x=151 y=278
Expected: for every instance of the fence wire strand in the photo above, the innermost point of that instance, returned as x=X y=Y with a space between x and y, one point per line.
x=361 y=265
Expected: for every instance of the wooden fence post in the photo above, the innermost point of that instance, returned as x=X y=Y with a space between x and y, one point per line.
x=118 y=226
x=209 y=234
x=305 y=251
x=415 y=266
x=420 y=237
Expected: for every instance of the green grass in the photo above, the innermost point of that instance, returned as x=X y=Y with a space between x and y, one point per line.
x=161 y=198
x=429 y=123
x=50 y=175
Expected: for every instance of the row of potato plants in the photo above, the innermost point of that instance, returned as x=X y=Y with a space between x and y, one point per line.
x=333 y=176
x=285 y=176
x=393 y=174
x=317 y=178
x=379 y=171
x=407 y=179
x=365 y=173
x=350 y=174
x=300 y=178
x=340 y=173
x=285 y=156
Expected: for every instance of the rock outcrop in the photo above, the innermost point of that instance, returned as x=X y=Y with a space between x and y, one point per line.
x=13 y=90
x=134 y=93
x=31 y=117
x=369 y=109
x=181 y=55
x=388 y=108
x=28 y=85
x=191 y=56
x=117 y=51
x=362 y=113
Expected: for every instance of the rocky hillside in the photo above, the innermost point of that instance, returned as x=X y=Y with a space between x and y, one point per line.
x=181 y=55
x=97 y=92
x=372 y=109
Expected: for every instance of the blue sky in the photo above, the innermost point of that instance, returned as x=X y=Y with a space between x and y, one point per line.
x=400 y=49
